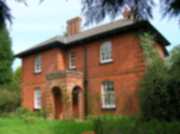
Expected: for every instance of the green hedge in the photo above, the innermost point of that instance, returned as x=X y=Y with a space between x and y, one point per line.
x=126 y=125
x=42 y=126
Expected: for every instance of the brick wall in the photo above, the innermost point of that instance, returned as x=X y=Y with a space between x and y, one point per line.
x=125 y=71
x=51 y=60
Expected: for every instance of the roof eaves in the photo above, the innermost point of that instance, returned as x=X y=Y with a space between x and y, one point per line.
x=44 y=44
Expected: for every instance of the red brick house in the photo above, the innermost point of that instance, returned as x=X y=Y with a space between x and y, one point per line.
x=90 y=72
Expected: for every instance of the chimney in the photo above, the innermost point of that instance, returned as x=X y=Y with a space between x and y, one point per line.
x=74 y=26
x=128 y=14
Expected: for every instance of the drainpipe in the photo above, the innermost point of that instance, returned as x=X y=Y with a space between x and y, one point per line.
x=85 y=82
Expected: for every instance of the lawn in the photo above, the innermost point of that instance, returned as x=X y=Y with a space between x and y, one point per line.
x=42 y=126
x=108 y=125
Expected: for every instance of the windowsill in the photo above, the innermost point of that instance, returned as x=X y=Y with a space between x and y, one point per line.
x=37 y=73
x=106 y=61
x=72 y=68
x=108 y=108
x=37 y=109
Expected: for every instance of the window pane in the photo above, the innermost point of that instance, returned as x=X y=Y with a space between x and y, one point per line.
x=72 y=60
x=108 y=95
x=37 y=99
x=106 y=51
x=37 y=64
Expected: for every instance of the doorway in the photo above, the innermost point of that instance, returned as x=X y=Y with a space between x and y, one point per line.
x=58 y=104
x=76 y=101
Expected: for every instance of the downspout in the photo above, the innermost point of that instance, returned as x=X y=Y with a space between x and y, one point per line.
x=85 y=82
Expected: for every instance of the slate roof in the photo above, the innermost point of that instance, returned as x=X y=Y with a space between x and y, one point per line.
x=95 y=34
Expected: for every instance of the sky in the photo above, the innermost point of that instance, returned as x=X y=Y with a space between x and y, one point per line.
x=38 y=22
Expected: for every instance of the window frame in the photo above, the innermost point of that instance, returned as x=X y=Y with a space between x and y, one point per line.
x=103 y=99
x=37 y=64
x=71 y=64
x=37 y=99
x=103 y=47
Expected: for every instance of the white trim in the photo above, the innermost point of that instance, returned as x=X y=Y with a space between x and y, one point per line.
x=106 y=61
x=108 y=106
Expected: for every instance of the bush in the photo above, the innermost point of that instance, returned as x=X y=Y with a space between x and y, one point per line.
x=9 y=101
x=10 y=94
x=128 y=125
x=25 y=113
x=113 y=125
x=153 y=93
x=160 y=90
x=174 y=62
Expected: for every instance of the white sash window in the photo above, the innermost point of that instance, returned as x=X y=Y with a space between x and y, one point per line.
x=106 y=52
x=108 y=95
x=37 y=99
x=72 y=60
x=38 y=64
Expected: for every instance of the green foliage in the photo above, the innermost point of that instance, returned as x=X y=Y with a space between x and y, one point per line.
x=159 y=89
x=25 y=113
x=174 y=60
x=42 y=126
x=10 y=94
x=5 y=14
x=154 y=98
x=101 y=125
x=6 y=57
x=9 y=101
x=128 y=125
x=147 y=43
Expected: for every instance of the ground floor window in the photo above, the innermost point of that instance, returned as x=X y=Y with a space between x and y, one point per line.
x=37 y=99
x=108 y=94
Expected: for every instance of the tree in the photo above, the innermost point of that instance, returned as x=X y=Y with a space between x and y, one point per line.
x=6 y=57
x=10 y=94
x=175 y=63
x=97 y=10
x=4 y=13
x=159 y=90
x=171 y=7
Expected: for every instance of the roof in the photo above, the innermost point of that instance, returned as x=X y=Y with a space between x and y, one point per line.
x=93 y=34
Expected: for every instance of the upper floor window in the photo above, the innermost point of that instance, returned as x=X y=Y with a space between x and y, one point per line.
x=37 y=99
x=108 y=95
x=106 y=52
x=38 y=64
x=72 y=60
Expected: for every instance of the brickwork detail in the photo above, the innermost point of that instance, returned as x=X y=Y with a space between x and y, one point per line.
x=125 y=70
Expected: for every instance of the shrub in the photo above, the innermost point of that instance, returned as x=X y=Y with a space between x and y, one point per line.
x=153 y=93
x=9 y=101
x=113 y=124
x=128 y=125
x=174 y=62
x=25 y=113
x=10 y=94
x=159 y=90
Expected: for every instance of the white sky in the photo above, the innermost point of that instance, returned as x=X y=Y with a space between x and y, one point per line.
x=35 y=23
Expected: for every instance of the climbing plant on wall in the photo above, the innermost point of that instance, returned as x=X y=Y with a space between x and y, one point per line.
x=147 y=42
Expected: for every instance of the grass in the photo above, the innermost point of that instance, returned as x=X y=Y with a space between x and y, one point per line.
x=101 y=125
x=42 y=126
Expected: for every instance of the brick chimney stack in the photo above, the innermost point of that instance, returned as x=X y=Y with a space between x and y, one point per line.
x=74 y=26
